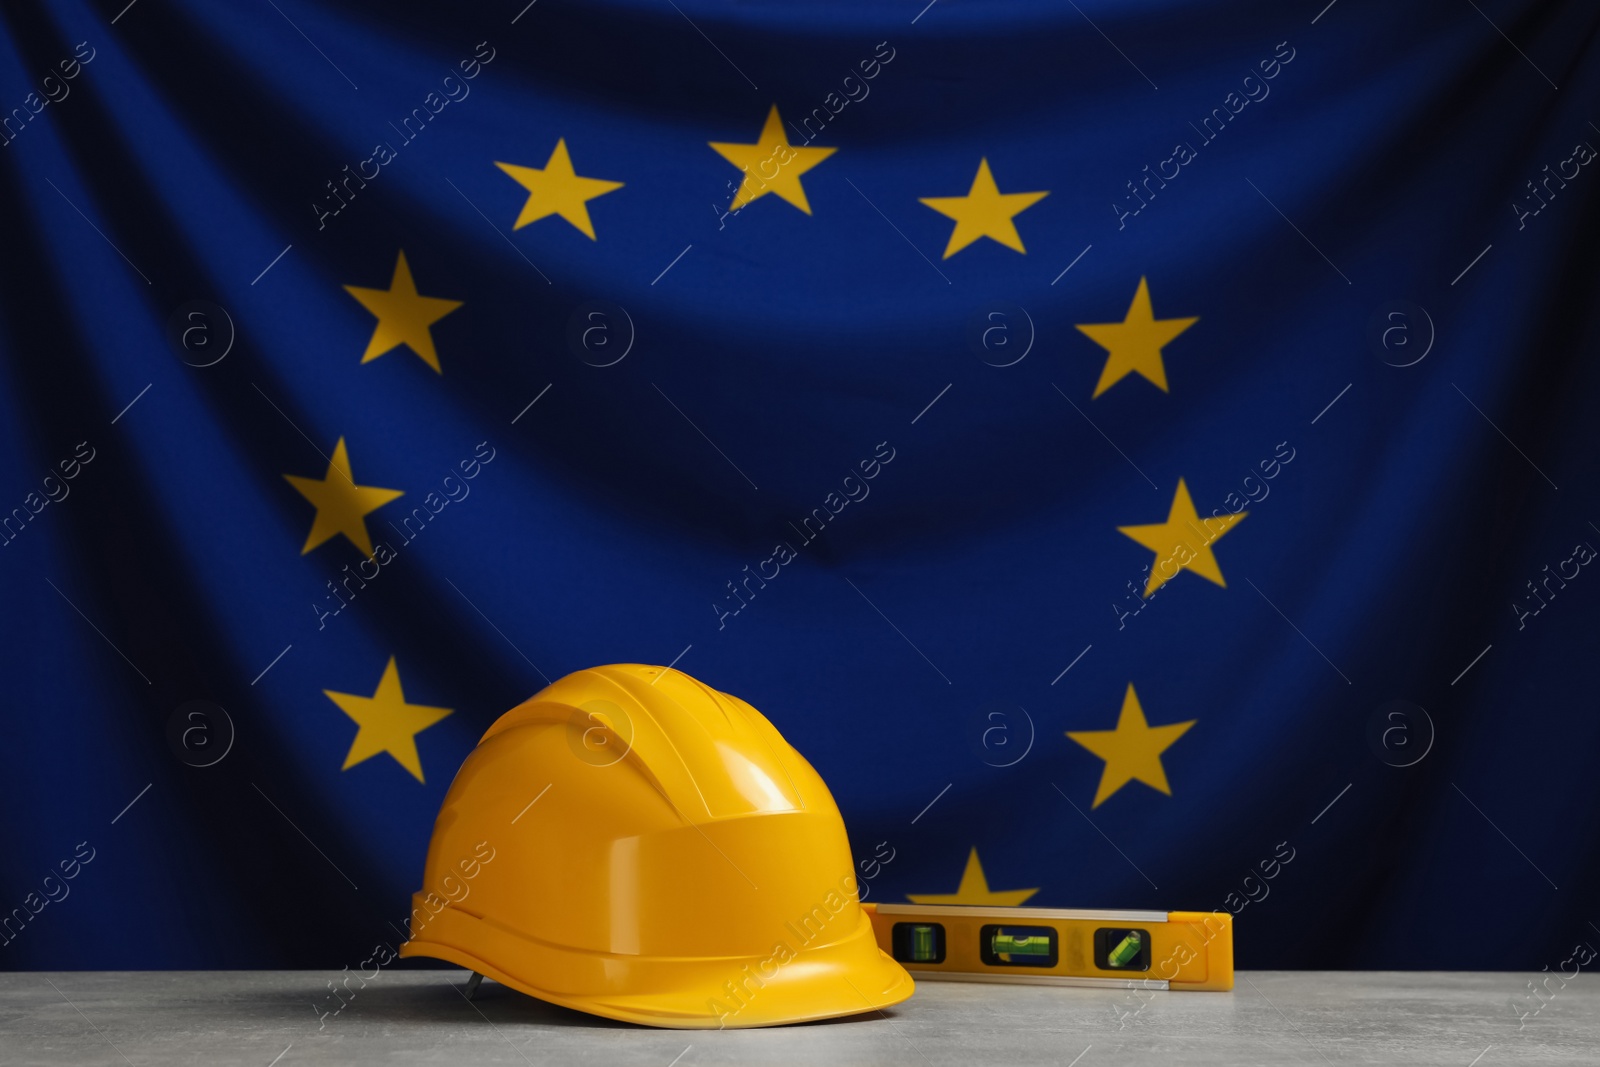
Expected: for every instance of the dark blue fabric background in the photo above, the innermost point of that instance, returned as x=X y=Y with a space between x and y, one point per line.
x=198 y=137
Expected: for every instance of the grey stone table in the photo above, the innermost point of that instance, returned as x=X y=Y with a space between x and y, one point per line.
x=267 y=1019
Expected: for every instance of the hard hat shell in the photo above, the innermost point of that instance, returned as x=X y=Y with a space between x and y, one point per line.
x=632 y=843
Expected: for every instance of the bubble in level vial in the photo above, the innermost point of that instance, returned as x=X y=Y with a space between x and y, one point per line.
x=1024 y=946
x=1127 y=949
x=922 y=943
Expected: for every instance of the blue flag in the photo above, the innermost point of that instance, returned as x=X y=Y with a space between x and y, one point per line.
x=1142 y=455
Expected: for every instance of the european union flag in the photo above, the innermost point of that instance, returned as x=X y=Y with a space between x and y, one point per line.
x=1142 y=455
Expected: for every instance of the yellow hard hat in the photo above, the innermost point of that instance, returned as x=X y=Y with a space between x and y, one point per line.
x=632 y=843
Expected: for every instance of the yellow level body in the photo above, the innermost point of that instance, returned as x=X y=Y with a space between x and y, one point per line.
x=1059 y=946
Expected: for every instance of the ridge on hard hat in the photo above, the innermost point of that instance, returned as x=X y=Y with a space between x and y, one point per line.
x=632 y=843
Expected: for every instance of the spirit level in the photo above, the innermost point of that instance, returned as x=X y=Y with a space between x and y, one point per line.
x=1056 y=946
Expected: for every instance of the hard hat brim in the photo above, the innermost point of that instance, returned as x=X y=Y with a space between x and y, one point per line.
x=805 y=984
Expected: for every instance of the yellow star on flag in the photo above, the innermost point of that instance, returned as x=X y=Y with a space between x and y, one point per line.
x=403 y=316
x=974 y=889
x=386 y=722
x=1183 y=542
x=1135 y=343
x=1132 y=750
x=340 y=503
x=771 y=152
x=984 y=212
x=558 y=190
